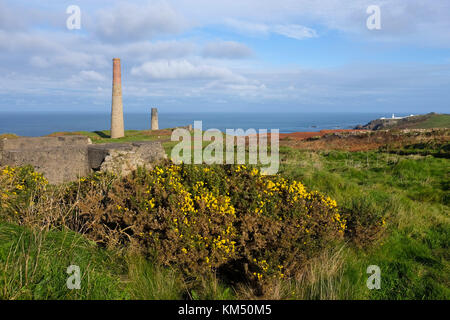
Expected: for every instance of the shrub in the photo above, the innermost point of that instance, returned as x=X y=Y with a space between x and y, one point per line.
x=19 y=188
x=365 y=219
x=229 y=219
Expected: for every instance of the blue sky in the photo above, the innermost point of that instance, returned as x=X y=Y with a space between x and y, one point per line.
x=248 y=55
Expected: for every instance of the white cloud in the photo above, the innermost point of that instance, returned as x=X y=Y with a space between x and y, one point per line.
x=80 y=61
x=7 y=18
x=405 y=21
x=49 y=50
x=91 y=75
x=183 y=69
x=23 y=41
x=39 y=62
x=227 y=50
x=128 y=22
x=295 y=31
x=145 y=50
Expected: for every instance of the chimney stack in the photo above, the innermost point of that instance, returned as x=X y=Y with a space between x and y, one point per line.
x=117 y=126
x=154 y=123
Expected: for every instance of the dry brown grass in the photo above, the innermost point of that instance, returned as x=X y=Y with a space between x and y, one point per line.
x=320 y=279
x=366 y=140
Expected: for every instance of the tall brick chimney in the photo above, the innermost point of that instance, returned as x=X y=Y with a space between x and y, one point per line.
x=154 y=123
x=117 y=126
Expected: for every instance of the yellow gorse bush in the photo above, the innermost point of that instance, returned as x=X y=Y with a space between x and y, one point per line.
x=225 y=219
x=213 y=218
x=18 y=188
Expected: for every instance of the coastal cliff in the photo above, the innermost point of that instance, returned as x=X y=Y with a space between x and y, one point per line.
x=425 y=121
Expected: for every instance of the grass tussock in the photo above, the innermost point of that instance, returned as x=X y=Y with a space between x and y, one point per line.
x=33 y=265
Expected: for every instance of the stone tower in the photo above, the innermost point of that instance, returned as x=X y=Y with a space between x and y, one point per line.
x=155 y=125
x=117 y=127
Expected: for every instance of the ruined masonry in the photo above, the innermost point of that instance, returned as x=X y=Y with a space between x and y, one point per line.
x=67 y=158
x=63 y=159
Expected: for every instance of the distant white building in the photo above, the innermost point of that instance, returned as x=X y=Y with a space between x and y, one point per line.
x=394 y=117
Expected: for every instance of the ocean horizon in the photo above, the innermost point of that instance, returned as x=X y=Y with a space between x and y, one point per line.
x=44 y=123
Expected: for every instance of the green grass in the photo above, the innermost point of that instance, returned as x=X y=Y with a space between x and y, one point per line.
x=33 y=265
x=411 y=192
x=104 y=136
x=149 y=282
x=434 y=121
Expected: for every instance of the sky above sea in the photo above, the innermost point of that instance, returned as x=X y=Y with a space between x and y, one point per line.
x=226 y=56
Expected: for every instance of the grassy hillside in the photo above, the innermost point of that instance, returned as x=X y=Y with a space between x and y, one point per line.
x=433 y=121
x=411 y=193
x=424 y=121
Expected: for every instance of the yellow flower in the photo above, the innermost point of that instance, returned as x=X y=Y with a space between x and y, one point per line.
x=270 y=184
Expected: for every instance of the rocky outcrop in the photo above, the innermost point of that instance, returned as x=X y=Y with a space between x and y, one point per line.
x=123 y=158
x=379 y=124
x=66 y=158
x=398 y=123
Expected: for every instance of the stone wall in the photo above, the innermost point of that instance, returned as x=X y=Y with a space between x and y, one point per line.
x=60 y=159
x=42 y=142
x=63 y=159
x=122 y=158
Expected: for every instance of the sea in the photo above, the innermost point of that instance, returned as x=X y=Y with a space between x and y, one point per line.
x=44 y=123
